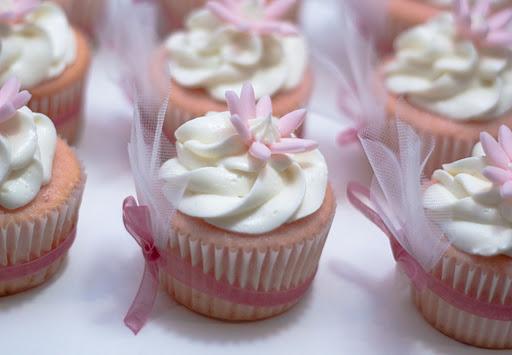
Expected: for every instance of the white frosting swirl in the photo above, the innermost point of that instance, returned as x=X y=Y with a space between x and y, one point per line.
x=230 y=189
x=480 y=220
x=27 y=148
x=38 y=48
x=449 y=3
x=444 y=74
x=214 y=56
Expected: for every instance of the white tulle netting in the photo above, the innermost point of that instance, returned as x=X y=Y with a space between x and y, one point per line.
x=398 y=156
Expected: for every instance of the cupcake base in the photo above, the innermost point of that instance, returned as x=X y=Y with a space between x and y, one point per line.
x=484 y=279
x=186 y=104
x=32 y=231
x=61 y=99
x=283 y=260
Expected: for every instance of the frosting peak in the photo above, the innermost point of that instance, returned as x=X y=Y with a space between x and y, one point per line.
x=27 y=148
x=37 y=47
x=442 y=72
x=475 y=193
x=217 y=56
x=244 y=169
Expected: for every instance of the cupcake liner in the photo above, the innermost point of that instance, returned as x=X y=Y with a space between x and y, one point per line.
x=29 y=240
x=267 y=270
x=446 y=149
x=62 y=98
x=482 y=284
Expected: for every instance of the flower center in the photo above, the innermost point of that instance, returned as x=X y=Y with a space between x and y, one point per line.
x=265 y=129
x=253 y=9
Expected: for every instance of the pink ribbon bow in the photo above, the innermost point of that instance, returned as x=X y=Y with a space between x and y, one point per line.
x=414 y=271
x=137 y=221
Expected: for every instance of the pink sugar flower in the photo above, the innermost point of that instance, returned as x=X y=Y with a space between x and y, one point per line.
x=14 y=10
x=499 y=156
x=11 y=99
x=243 y=109
x=255 y=16
x=482 y=27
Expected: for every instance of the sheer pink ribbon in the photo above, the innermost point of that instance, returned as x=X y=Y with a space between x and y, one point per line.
x=349 y=135
x=137 y=221
x=418 y=276
x=13 y=272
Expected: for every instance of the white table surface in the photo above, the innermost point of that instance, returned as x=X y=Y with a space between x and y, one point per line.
x=358 y=304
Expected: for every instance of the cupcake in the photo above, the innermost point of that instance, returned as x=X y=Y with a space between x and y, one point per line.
x=454 y=74
x=221 y=47
x=42 y=184
x=475 y=193
x=403 y=14
x=255 y=212
x=50 y=59
x=175 y=11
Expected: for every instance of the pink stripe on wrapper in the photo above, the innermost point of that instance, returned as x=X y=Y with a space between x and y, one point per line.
x=194 y=277
x=8 y=273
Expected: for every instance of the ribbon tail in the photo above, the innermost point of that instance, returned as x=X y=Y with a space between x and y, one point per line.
x=143 y=303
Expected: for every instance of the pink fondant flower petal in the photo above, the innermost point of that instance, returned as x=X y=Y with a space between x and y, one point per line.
x=233 y=102
x=497 y=175
x=482 y=8
x=462 y=10
x=505 y=140
x=260 y=151
x=278 y=8
x=499 y=38
x=500 y=19
x=293 y=146
x=10 y=88
x=264 y=107
x=223 y=12
x=7 y=111
x=247 y=101
x=242 y=128
x=506 y=190
x=21 y=99
x=495 y=154
x=290 y=122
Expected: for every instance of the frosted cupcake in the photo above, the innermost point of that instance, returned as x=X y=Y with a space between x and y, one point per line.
x=256 y=210
x=176 y=11
x=403 y=14
x=49 y=57
x=455 y=76
x=223 y=46
x=41 y=187
x=475 y=193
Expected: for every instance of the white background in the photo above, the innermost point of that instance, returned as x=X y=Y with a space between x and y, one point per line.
x=358 y=304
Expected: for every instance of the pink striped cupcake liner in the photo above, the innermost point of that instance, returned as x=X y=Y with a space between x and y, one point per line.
x=482 y=284
x=289 y=268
